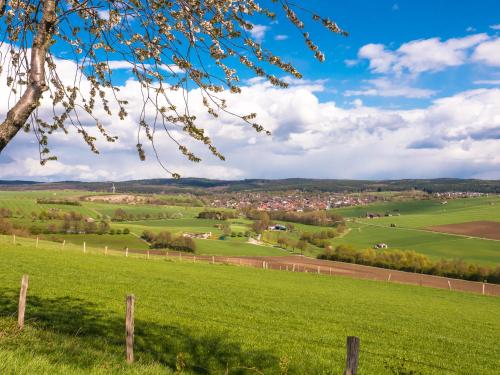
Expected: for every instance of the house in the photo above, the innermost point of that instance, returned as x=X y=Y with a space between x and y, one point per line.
x=381 y=245
x=203 y=236
x=277 y=227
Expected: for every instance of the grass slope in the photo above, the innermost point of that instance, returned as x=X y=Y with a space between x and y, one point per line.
x=226 y=317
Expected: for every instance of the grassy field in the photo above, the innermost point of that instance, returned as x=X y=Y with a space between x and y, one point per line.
x=409 y=217
x=423 y=213
x=414 y=217
x=115 y=241
x=235 y=247
x=227 y=318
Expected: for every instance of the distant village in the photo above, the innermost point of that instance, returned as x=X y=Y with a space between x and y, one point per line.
x=307 y=201
x=292 y=201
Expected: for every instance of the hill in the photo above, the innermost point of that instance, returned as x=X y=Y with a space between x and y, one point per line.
x=205 y=318
x=201 y=185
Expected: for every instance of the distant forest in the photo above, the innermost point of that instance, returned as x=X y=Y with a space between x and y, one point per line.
x=204 y=186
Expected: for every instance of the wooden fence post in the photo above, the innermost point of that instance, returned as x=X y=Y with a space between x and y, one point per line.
x=293 y=268
x=351 y=363
x=484 y=287
x=22 y=301
x=64 y=243
x=319 y=270
x=105 y=250
x=213 y=259
x=14 y=239
x=148 y=254
x=330 y=271
x=129 y=328
x=36 y=246
x=449 y=284
x=389 y=278
x=126 y=251
x=84 y=247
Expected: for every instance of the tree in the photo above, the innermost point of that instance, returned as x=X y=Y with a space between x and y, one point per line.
x=168 y=46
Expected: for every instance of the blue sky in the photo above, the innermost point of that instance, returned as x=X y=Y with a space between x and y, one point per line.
x=413 y=92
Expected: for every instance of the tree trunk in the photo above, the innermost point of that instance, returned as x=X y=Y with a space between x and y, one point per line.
x=19 y=114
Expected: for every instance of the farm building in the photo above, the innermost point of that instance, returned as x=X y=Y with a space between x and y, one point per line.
x=381 y=245
x=204 y=236
x=277 y=227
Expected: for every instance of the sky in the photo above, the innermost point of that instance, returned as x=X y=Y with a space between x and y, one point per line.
x=412 y=92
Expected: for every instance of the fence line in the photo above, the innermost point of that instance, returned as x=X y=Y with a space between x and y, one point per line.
x=346 y=269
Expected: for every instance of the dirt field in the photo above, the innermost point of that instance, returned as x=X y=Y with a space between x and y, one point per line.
x=303 y=264
x=482 y=229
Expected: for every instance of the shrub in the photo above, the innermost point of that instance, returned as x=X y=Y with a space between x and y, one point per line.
x=126 y=231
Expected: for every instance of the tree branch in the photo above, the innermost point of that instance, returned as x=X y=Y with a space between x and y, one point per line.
x=19 y=114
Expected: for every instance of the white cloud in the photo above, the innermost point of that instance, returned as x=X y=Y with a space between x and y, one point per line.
x=386 y=88
x=281 y=37
x=488 y=52
x=495 y=27
x=123 y=64
x=420 y=56
x=493 y=82
x=471 y=29
x=351 y=62
x=258 y=32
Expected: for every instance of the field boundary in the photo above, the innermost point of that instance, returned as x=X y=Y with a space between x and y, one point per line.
x=290 y=263
x=427 y=231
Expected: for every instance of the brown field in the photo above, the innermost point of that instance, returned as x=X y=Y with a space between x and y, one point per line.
x=483 y=229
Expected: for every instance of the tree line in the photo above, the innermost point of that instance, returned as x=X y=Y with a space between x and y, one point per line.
x=121 y=215
x=217 y=215
x=165 y=240
x=413 y=262
x=317 y=217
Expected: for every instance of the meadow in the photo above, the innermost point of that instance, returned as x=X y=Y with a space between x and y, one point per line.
x=410 y=220
x=404 y=229
x=205 y=318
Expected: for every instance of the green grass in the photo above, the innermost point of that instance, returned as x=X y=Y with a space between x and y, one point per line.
x=115 y=241
x=175 y=226
x=109 y=209
x=421 y=214
x=223 y=317
x=434 y=245
x=234 y=247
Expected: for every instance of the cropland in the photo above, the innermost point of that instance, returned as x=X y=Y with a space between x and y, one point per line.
x=205 y=318
x=480 y=229
x=429 y=227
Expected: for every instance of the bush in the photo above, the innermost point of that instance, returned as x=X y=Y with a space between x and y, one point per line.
x=111 y=231
x=5 y=227
x=118 y=231
x=126 y=231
